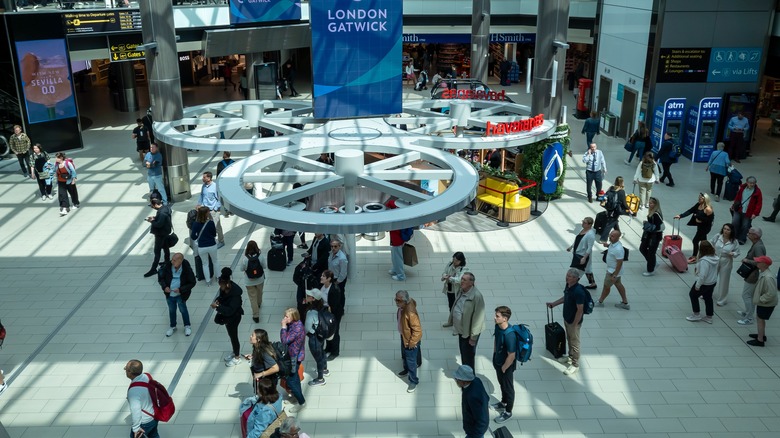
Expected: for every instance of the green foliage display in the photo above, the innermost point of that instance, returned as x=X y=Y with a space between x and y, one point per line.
x=532 y=162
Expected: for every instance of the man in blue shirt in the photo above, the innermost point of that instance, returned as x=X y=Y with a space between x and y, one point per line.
x=595 y=169
x=738 y=129
x=573 y=300
x=210 y=198
x=154 y=173
x=504 y=350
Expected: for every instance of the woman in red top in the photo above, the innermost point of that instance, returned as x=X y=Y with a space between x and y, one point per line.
x=66 y=184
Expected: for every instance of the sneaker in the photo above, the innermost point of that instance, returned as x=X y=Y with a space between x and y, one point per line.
x=447 y=324
x=43 y=198
x=670 y=184
x=707 y=319
x=564 y=360
x=717 y=198
x=303 y=246
x=256 y=320
x=755 y=343
x=598 y=304
x=326 y=373
x=721 y=303
x=648 y=274
x=752 y=335
x=391 y=272
x=150 y=273
x=63 y=211
x=498 y=407
x=187 y=330
x=503 y=417
x=50 y=197
x=75 y=207
x=624 y=306
x=411 y=388
x=317 y=382
x=228 y=357
x=233 y=362
x=403 y=373
x=398 y=278
x=571 y=370
x=627 y=162
x=745 y=321
x=289 y=263
x=741 y=313
x=170 y=331
x=297 y=408
x=693 y=317
x=767 y=218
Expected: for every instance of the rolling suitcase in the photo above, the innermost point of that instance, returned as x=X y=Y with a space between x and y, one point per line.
x=679 y=263
x=554 y=336
x=632 y=201
x=672 y=239
x=277 y=260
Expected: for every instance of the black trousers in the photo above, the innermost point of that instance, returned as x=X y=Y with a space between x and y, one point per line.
x=591 y=177
x=63 y=190
x=232 y=331
x=159 y=246
x=468 y=352
x=716 y=183
x=507 y=383
x=44 y=188
x=667 y=172
x=648 y=248
x=24 y=162
x=701 y=234
x=288 y=242
x=333 y=346
x=706 y=292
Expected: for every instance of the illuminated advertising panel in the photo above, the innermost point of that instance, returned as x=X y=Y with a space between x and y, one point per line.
x=46 y=80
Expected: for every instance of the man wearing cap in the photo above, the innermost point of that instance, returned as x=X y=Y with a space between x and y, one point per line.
x=411 y=333
x=474 y=402
x=764 y=298
x=749 y=288
x=468 y=318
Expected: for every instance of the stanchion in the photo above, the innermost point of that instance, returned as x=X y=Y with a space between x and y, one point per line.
x=535 y=211
x=503 y=222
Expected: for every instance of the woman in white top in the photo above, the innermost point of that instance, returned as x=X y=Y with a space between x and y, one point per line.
x=254 y=277
x=582 y=259
x=706 y=278
x=451 y=279
x=726 y=248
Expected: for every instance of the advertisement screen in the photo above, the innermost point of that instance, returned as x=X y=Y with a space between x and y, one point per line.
x=256 y=11
x=46 y=80
x=356 y=57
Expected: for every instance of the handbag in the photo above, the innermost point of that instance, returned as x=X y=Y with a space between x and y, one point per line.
x=220 y=319
x=575 y=262
x=648 y=227
x=745 y=269
x=275 y=425
x=629 y=146
x=171 y=239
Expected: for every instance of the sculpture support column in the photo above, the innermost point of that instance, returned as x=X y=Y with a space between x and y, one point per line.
x=552 y=24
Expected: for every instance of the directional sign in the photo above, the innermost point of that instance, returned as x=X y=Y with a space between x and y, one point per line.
x=683 y=64
x=101 y=21
x=734 y=64
x=125 y=47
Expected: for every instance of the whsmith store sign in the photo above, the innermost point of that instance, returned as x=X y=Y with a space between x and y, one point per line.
x=466 y=38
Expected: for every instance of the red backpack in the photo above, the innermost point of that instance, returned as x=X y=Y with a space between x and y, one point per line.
x=161 y=400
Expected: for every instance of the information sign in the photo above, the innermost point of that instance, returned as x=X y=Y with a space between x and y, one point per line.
x=734 y=64
x=683 y=65
x=125 y=47
x=101 y=21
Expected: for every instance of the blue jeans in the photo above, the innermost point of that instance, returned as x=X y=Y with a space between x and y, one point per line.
x=157 y=181
x=409 y=356
x=172 y=303
x=742 y=224
x=150 y=429
x=294 y=384
x=315 y=347
x=397 y=255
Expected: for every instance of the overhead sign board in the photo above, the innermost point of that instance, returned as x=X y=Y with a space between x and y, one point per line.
x=683 y=65
x=258 y=11
x=734 y=64
x=101 y=21
x=125 y=47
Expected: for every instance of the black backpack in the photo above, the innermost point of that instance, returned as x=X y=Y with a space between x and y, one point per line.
x=254 y=269
x=326 y=326
x=283 y=359
x=611 y=202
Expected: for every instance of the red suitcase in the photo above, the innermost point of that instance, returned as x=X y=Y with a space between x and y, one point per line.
x=679 y=262
x=673 y=239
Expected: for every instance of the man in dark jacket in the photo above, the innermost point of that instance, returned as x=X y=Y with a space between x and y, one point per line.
x=666 y=160
x=161 y=229
x=474 y=402
x=318 y=251
x=177 y=279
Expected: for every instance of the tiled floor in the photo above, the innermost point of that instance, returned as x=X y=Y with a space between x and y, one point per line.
x=77 y=308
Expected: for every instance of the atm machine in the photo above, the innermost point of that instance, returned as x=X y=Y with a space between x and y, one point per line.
x=701 y=130
x=668 y=118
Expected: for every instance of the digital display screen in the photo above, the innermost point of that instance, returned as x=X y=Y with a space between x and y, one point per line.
x=46 y=80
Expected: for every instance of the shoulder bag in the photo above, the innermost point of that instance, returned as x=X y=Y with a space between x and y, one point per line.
x=745 y=269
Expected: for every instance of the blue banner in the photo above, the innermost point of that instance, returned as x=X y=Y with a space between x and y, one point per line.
x=734 y=64
x=256 y=11
x=46 y=80
x=356 y=57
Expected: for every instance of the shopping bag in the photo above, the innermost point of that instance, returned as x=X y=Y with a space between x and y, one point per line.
x=410 y=255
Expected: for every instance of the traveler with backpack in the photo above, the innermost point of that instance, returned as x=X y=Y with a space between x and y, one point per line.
x=316 y=343
x=595 y=169
x=229 y=311
x=177 y=279
x=667 y=156
x=254 y=273
x=504 y=352
x=573 y=300
x=262 y=360
x=410 y=329
x=615 y=204
x=140 y=401
x=66 y=183
x=718 y=166
x=702 y=217
x=333 y=298
x=638 y=141
x=582 y=251
x=652 y=234
x=451 y=279
x=294 y=336
x=266 y=406
x=647 y=174
x=42 y=170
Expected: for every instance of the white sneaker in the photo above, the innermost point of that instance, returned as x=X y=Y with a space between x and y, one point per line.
x=571 y=370
x=722 y=303
x=741 y=313
x=628 y=163
x=297 y=408
x=397 y=278
x=228 y=357
x=75 y=207
x=693 y=317
x=43 y=197
x=63 y=212
x=746 y=321
x=187 y=330
x=564 y=360
x=233 y=362
x=648 y=274
x=170 y=331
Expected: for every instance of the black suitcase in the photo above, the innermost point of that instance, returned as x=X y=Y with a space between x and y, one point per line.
x=554 y=336
x=277 y=260
x=199 y=268
x=730 y=191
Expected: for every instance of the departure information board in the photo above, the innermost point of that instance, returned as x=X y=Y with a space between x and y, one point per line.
x=683 y=65
x=101 y=22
